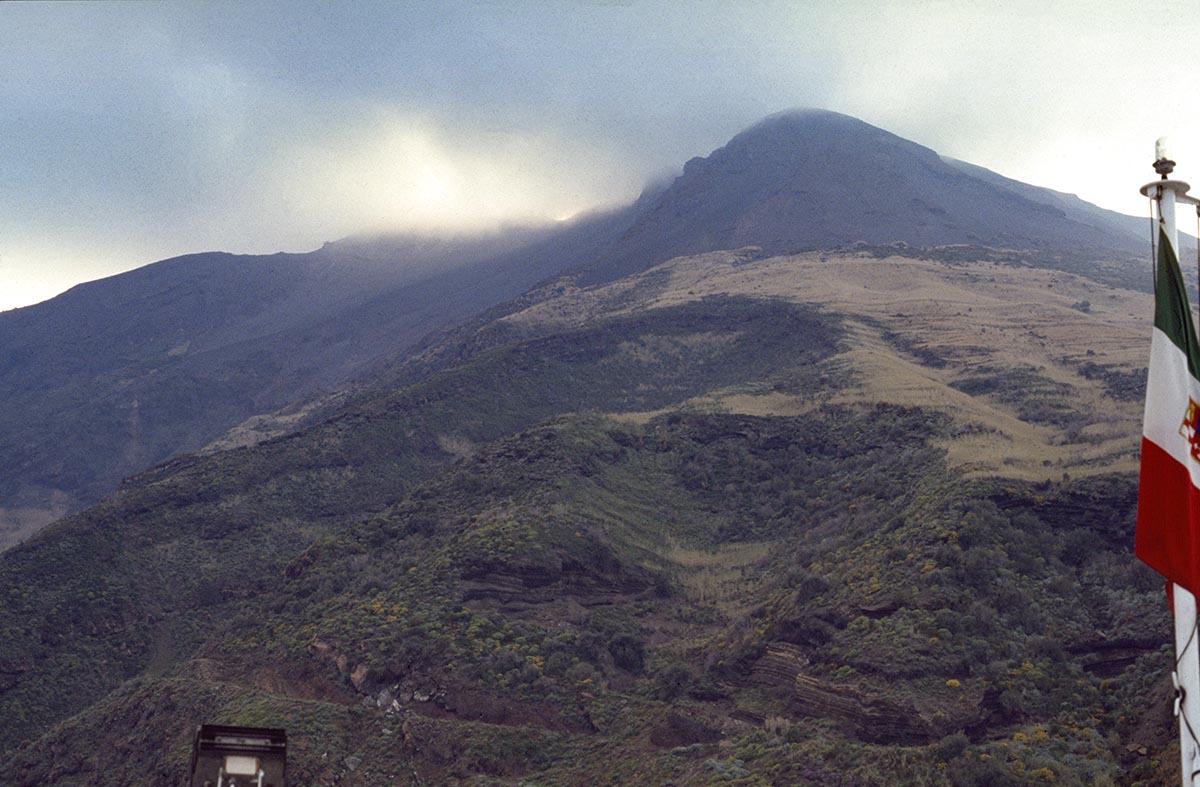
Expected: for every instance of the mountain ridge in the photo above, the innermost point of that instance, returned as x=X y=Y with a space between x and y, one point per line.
x=810 y=179
x=638 y=516
x=209 y=343
x=118 y=374
x=348 y=307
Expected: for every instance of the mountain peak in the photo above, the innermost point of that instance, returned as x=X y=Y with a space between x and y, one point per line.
x=809 y=179
x=822 y=129
x=805 y=120
x=802 y=145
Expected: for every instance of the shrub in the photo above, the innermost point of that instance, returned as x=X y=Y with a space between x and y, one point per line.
x=673 y=681
x=628 y=652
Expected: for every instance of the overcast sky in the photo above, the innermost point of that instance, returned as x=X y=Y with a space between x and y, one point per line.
x=134 y=132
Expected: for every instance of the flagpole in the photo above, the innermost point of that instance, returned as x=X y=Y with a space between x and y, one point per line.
x=1186 y=677
x=1187 y=685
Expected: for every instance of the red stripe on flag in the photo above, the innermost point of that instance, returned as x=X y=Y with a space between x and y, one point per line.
x=1168 y=519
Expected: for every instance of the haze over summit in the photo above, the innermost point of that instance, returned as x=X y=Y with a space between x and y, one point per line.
x=813 y=465
x=620 y=522
x=137 y=132
x=197 y=352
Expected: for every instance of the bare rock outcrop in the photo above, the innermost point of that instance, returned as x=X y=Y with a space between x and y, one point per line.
x=864 y=716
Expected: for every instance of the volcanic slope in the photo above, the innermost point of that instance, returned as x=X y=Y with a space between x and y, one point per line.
x=119 y=374
x=810 y=179
x=818 y=519
x=122 y=373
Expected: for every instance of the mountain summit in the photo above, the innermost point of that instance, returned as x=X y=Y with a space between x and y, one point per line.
x=119 y=374
x=852 y=517
x=812 y=179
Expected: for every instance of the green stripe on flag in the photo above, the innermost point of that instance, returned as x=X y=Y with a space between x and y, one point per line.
x=1172 y=315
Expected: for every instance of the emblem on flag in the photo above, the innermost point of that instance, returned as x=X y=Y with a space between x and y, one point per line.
x=1190 y=428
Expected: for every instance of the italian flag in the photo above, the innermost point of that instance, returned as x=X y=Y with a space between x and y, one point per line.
x=1168 y=518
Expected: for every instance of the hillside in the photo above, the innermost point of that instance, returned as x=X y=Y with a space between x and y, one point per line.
x=217 y=349
x=120 y=374
x=832 y=518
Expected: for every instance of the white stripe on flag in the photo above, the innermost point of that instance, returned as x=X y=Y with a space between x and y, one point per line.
x=1167 y=390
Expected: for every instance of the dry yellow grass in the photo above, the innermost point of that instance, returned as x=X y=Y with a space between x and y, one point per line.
x=456 y=445
x=762 y=404
x=258 y=428
x=972 y=315
x=716 y=576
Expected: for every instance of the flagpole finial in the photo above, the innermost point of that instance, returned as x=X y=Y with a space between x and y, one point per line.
x=1163 y=164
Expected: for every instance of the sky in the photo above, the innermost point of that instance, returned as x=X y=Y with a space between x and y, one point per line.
x=133 y=132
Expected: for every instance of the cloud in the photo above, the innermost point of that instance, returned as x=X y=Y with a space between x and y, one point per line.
x=137 y=130
x=1068 y=95
x=396 y=172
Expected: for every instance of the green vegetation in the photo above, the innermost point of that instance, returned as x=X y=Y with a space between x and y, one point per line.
x=81 y=605
x=568 y=597
x=1037 y=399
x=1126 y=385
